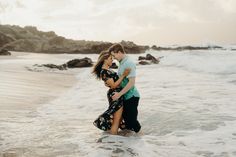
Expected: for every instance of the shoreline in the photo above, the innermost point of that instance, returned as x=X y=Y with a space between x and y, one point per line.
x=23 y=91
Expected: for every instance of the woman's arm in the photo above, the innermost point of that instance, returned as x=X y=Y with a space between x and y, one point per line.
x=110 y=82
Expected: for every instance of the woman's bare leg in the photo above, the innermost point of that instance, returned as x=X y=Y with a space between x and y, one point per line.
x=116 y=121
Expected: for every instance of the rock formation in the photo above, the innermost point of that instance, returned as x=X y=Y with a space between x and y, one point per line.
x=30 y=39
x=4 y=52
x=149 y=59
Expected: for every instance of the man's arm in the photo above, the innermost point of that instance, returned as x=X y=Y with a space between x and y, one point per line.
x=129 y=85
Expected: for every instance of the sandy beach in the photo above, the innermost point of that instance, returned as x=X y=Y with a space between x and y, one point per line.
x=22 y=90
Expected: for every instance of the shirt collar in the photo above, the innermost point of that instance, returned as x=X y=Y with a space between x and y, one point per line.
x=124 y=59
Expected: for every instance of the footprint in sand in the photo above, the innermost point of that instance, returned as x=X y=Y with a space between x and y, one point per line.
x=101 y=139
x=105 y=148
x=131 y=151
x=117 y=152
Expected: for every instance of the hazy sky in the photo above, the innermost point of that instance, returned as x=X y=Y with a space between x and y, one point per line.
x=160 y=22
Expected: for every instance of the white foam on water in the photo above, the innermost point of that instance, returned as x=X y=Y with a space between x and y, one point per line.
x=186 y=109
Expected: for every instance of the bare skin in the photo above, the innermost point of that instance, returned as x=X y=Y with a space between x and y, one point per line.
x=116 y=121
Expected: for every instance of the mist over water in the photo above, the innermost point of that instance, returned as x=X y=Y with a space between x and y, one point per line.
x=187 y=108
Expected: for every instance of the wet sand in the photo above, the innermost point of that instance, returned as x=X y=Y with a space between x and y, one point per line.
x=22 y=91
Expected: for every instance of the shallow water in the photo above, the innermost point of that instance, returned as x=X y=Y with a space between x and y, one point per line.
x=187 y=108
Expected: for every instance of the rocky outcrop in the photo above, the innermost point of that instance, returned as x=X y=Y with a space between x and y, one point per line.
x=132 y=48
x=152 y=59
x=79 y=63
x=75 y=63
x=154 y=47
x=149 y=59
x=182 y=48
x=23 y=45
x=141 y=58
x=4 y=52
x=30 y=39
x=144 y=62
x=53 y=66
x=4 y=39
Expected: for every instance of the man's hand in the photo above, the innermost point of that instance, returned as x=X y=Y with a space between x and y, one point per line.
x=116 y=96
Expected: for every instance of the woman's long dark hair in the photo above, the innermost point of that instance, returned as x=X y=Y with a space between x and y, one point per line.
x=98 y=66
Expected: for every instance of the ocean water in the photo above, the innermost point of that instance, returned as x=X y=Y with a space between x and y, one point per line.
x=187 y=109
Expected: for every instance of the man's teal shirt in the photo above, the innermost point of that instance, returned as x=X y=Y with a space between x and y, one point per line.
x=124 y=64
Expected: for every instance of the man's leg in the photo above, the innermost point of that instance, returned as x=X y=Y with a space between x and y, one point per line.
x=131 y=114
x=125 y=113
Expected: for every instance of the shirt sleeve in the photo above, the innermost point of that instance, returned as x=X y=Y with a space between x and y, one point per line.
x=132 y=66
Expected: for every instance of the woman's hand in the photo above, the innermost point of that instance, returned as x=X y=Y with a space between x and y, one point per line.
x=126 y=72
x=116 y=96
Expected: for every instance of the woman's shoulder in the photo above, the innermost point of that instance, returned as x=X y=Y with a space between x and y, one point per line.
x=105 y=71
x=105 y=74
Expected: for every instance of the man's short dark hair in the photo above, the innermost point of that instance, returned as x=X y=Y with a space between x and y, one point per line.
x=116 y=48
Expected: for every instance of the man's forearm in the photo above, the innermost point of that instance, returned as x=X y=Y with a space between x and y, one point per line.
x=128 y=86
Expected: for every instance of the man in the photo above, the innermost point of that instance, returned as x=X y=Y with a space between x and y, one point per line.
x=129 y=91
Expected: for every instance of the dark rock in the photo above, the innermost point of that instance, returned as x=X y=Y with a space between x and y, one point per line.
x=152 y=58
x=141 y=58
x=78 y=63
x=53 y=66
x=4 y=52
x=114 y=66
x=149 y=59
x=144 y=62
x=75 y=63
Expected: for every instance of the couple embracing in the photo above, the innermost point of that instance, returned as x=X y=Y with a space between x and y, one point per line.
x=123 y=96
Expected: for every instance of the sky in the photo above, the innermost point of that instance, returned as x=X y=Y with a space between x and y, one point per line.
x=145 y=22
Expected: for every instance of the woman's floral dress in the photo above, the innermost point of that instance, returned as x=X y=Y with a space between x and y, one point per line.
x=104 y=121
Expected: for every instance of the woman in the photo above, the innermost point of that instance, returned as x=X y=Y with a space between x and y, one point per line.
x=111 y=118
